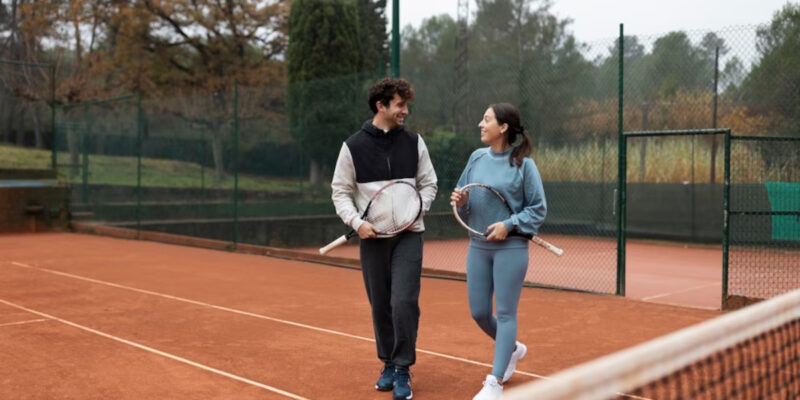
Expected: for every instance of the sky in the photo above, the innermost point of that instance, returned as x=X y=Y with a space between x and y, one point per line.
x=595 y=20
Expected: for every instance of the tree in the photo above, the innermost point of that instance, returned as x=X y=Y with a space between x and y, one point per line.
x=427 y=62
x=325 y=94
x=5 y=21
x=205 y=43
x=160 y=48
x=607 y=73
x=24 y=88
x=771 y=86
x=373 y=40
x=200 y=46
x=525 y=52
x=675 y=64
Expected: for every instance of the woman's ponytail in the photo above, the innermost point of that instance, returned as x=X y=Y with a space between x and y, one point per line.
x=522 y=144
x=516 y=135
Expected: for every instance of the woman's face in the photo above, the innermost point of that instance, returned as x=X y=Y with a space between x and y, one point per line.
x=491 y=132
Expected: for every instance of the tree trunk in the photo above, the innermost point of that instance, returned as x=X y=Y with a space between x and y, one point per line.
x=315 y=173
x=73 y=146
x=8 y=118
x=37 y=128
x=20 y=114
x=5 y=116
x=100 y=142
x=216 y=150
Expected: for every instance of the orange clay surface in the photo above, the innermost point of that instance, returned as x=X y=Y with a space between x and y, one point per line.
x=90 y=317
x=661 y=272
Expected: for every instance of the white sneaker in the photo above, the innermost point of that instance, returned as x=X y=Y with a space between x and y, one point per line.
x=518 y=354
x=492 y=389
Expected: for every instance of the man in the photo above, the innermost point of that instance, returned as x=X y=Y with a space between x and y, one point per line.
x=382 y=151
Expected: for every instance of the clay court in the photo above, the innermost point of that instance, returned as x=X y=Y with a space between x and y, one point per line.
x=94 y=317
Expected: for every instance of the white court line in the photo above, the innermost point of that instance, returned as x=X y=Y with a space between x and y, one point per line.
x=681 y=291
x=25 y=322
x=254 y=315
x=156 y=351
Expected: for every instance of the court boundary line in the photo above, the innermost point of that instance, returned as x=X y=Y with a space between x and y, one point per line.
x=30 y=321
x=156 y=351
x=666 y=294
x=98 y=229
x=255 y=315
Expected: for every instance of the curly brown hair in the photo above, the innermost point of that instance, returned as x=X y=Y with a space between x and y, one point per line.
x=385 y=89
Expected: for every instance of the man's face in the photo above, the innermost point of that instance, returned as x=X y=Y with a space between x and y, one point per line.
x=395 y=114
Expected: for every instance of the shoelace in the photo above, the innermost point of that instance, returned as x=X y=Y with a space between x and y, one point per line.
x=487 y=383
x=403 y=378
x=387 y=372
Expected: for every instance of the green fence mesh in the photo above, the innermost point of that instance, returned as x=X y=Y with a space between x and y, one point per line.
x=669 y=190
x=97 y=155
x=252 y=165
x=764 y=251
x=574 y=148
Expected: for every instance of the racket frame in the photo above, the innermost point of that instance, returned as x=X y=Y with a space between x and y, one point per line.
x=535 y=239
x=344 y=238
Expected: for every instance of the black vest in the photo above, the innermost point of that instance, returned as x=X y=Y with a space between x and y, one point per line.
x=382 y=156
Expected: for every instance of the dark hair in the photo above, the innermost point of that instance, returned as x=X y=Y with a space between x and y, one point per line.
x=516 y=135
x=385 y=89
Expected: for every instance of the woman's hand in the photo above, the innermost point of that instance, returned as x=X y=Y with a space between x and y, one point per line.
x=497 y=231
x=459 y=199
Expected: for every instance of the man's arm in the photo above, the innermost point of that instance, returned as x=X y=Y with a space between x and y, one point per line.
x=343 y=188
x=426 y=176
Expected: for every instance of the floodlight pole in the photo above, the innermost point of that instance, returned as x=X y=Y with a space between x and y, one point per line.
x=395 y=38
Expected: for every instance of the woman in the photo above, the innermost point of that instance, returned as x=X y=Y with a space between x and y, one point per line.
x=498 y=263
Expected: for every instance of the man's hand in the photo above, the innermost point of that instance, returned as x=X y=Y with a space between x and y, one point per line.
x=498 y=231
x=366 y=231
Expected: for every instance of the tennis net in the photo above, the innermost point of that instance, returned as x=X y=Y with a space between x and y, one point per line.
x=752 y=353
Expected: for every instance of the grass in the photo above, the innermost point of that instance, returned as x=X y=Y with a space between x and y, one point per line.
x=13 y=157
x=122 y=170
x=667 y=160
x=674 y=159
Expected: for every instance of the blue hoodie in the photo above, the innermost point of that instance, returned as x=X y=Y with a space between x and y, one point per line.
x=521 y=187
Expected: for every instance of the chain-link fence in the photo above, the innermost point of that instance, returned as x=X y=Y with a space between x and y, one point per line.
x=764 y=249
x=252 y=164
x=574 y=135
x=97 y=154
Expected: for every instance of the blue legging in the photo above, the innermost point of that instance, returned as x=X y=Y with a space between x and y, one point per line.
x=499 y=271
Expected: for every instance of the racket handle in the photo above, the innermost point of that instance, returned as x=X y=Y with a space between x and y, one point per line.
x=336 y=243
x=541 y=242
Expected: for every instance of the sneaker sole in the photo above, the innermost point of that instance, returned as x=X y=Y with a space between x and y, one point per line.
x=382 y=389
x=402 y=398
x=524 y=352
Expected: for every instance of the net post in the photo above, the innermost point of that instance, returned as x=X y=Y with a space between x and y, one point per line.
x=622 y=169
x=395 y=38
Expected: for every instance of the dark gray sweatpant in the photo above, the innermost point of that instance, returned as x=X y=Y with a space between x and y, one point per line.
x=392 y=269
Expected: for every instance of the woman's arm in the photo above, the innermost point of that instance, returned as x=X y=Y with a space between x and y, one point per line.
x=534 y=204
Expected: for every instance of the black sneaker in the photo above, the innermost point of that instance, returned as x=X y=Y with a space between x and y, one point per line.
x=402 y=385
x=386 y=381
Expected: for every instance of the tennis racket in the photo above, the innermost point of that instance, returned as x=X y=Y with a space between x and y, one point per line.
x=486 y=206
x=391 y=210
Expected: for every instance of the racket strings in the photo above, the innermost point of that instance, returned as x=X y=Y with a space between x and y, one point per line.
x=395 y=208
x=483 y=209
